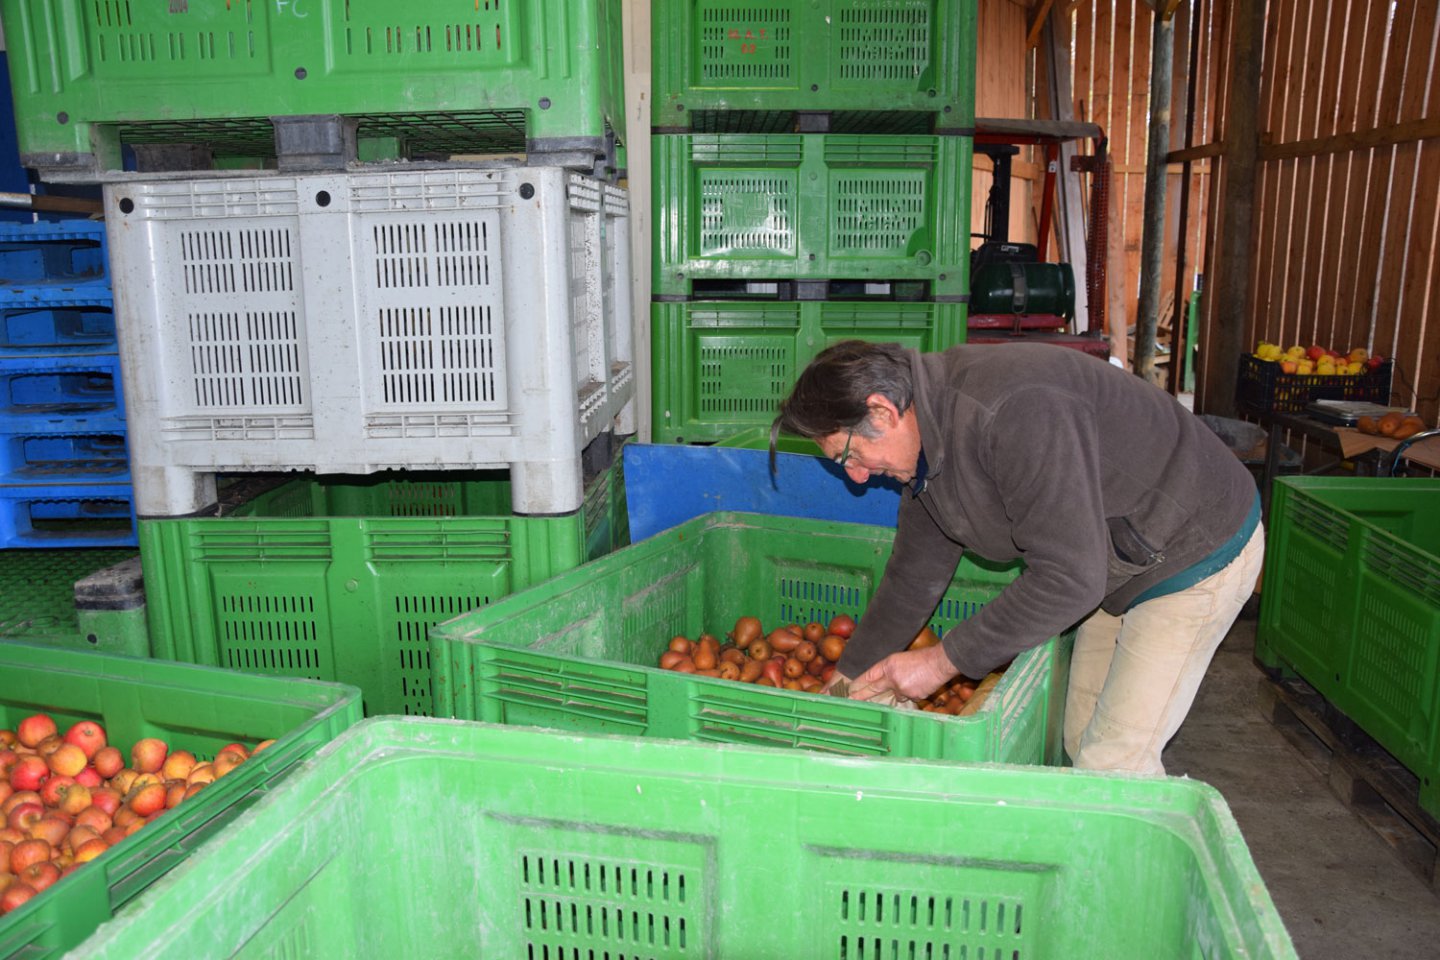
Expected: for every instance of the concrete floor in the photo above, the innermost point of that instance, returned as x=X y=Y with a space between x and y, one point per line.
x=1342 y=892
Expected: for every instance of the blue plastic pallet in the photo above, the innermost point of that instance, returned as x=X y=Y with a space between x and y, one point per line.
x=75 y=393
x=64 y=458
x=69 y=319
x=75 y=515
x=55 y=252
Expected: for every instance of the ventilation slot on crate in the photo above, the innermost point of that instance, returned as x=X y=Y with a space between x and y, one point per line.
x=414 y=616
x=879 y=44
x=437 y=355
x=571 y=902
x=877 y=214
x=814 y=592
x=423 y=499
x=740 y=214
x=270 y=634
x=248 y=261
x=250 y=359
x=873 y=923
x=745 y=44
x=651 y=616
x=744 y=379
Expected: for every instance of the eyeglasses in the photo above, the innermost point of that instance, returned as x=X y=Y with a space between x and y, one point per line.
x=845 y=454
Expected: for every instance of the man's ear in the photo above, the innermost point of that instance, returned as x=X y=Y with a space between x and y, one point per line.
x=883 y=412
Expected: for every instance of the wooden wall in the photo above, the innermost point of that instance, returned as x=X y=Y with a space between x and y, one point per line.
x=1004 y=79
x=1110 y=75
x=1111 y=87
x=1348 y=191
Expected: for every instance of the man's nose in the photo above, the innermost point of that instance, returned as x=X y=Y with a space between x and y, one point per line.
x=856 y=472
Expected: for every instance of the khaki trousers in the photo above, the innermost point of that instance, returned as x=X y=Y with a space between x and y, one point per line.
x=1134 y=677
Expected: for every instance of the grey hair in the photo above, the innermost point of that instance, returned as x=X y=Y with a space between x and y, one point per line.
x=831 y=393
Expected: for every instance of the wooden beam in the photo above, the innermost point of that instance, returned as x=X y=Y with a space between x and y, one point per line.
x=1229 y=293
x=48 y=204
x=1033 y=38
x=1411 y=131
x=1203 y=152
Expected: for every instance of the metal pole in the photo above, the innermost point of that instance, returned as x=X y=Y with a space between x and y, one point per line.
x=1162 y=57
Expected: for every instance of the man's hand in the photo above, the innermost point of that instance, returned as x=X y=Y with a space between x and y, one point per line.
x=909 y=674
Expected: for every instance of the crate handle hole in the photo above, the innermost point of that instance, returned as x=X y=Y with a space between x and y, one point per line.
x=92 y=639
x=322 y=198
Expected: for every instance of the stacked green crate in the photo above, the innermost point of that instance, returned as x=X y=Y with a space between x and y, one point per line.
x=1351 y=603
x=422 y=78
x=340 y=578
x=811 y=184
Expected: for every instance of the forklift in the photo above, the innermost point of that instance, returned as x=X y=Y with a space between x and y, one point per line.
x=1015 y=295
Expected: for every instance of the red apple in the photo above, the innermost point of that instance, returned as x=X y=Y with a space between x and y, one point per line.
x=108 y=761
x=50 y=790
x=106 y=799
x=147 y=799
x=1315 y=352
x=88 y=736
x=226 y=761
x=74 y=799
x=52 y=830
x=114 y=835
x=1374 y=362
x=90 y=849
x=24 y=817
x=15 y=895
x=17 y=798
x=148 y=755
x=34 y=729
x=40 y=875
x=27 y=852
x=89 y=777
x=94 y=818
x=76 y=837
x=8 y=759
x=8 y=738
x=178 y=765
x=29 y=773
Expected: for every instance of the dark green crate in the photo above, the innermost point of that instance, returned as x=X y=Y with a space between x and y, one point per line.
x=579 y=652
x=37 y=592
x=429 y=75
x=340 y=578
x=864 y=61
x=742 y=207
x=191 y=708
x=1351 y=603
x=563 y=846
x=720 y=367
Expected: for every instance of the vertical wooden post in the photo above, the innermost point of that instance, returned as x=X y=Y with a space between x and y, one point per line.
x=1179 y=336
x=1228 y=291
x=1152 y=244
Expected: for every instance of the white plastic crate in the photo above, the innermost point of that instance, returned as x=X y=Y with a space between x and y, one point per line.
x=437 y=318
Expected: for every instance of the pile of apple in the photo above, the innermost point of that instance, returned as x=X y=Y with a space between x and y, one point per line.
x=65 y=800
x=1318 y=360
x=792 y=657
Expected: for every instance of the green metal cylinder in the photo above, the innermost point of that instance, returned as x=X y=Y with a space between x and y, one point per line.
x=1024 y=288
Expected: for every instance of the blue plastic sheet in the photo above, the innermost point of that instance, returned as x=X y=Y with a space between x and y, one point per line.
x=667 y=484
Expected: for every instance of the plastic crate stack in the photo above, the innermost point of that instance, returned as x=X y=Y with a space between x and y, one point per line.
x=64 y=472
x=812 y=168
x=363 y=396
x=188 y=85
